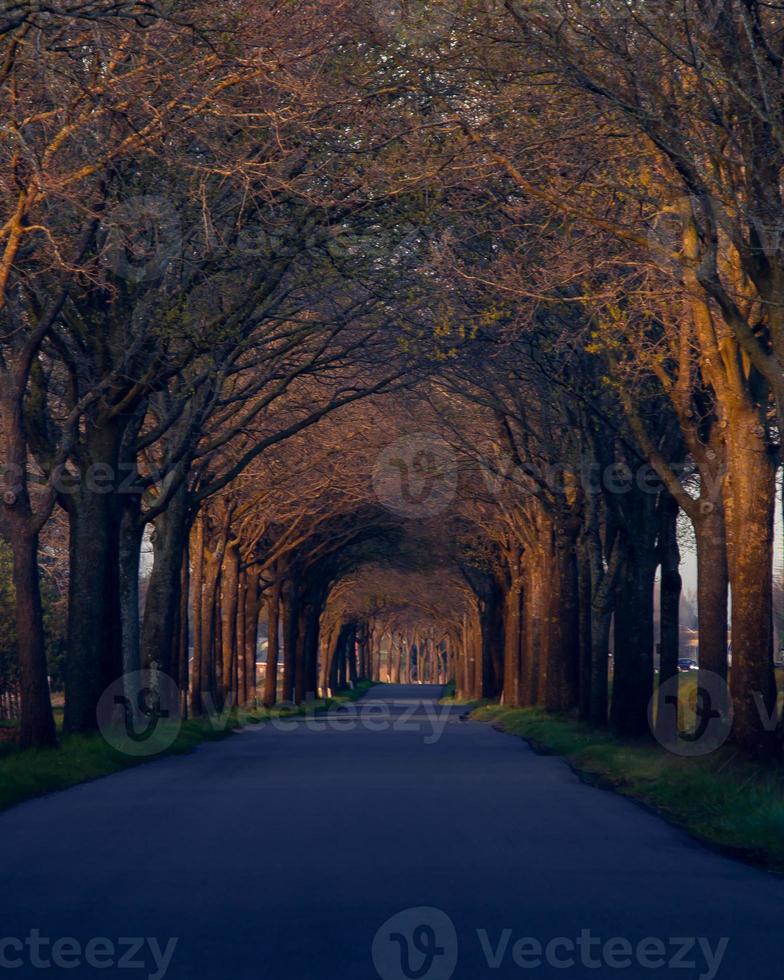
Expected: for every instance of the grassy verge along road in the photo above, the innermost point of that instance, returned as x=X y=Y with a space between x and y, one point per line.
x=723 y=798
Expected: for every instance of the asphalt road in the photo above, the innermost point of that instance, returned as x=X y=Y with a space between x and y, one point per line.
x=284 y=854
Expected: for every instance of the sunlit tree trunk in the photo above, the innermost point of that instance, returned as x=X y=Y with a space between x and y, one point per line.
x=749 y=501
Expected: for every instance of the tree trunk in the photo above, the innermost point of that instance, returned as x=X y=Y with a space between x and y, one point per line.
x=633 y=661
x=273 y=646
x=20 y=526
x=563 y=642
x=252 y=608
x=197 y=588
x=290 y=632
x=532 y=596
x=603 y=588
x=169 y=543
x=300 y=670
x=183 y=634
x=241 y=681
x=311 y=648
x=37 y=729
x=750 y=500
x=351 y=654
x=94 y=619
x=669 y=608
x=712 y=589
x=335 y=657
x=584 y=626
x=230 y=584
x=209 y=622
x=94 y=643
x=513 y=640
x=130 y=544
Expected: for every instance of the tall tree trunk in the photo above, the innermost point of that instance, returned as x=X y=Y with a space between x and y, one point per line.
x=20 y=526
x=311 y=647
x=130 y=544
x=241 y=682
x=291 y=612
x=712 y=588
x=183 y=634
x=633 y=660
x=669 y=609
x=584 y=625
x=230 y=584
x=37 y=729
x=603 y=589
x=335 y=657
x=351 y=655
x=209 y=630
x=252 y=609
x=94 y=643
x=169 y=544
x=273 y=646
x=94 y=621
x=749 y=501
x=197 y=589
x=537 y=659
x=563 y=642
x=300 y=669
x=513 y=635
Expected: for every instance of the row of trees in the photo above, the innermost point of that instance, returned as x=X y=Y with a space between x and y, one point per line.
x=243 y=252
x=628 y=256
x=180 y=203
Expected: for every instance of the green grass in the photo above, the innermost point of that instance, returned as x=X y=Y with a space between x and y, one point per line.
x=81 y=758
x=723 y=799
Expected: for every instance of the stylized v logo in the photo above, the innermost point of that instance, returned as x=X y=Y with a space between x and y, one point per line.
x=149 y=704
x=426 y=943
x=423 y=464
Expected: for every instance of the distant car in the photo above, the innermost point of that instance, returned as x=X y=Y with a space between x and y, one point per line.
x=685 y=664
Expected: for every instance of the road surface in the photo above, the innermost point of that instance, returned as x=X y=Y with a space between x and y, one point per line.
x=406 y=843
